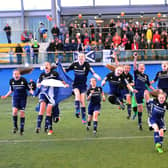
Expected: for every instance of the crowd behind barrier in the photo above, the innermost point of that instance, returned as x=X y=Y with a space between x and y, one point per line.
x=95 y=31
x=148 y=39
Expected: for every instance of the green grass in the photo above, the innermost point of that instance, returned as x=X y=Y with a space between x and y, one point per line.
x=118 y=143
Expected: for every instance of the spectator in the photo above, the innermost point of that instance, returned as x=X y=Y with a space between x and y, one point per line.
x=19 y=52
x=7 y=30
x=67 y=49
x=145 y=26
x=107 y=44
x=162 y=43
x=42 y=30
x=79 y=45
x=60 y=49
x=149 y=46
x=137 y=38
x=11 y=54
x=27 y=50
x=118 y=28
x=99 y=37
x=67 y=36
x=55 y=32
x=121 y=48
x=100 y=45
x=128 y=48
x=92 y=31
x=124 y=39
x=70 y=29
x=116 y=39
x=35 y=47
x=149 y=34
x=130 y=34
x=26 y=36
x=84 y=31
x=73 y=45
x=142 y=46
x=112 y=27
x=156 y=45
x=51 y=51
x=87 y=47
x=108 y=36
x=134 y=45
x=86 y=39
x=156 y=36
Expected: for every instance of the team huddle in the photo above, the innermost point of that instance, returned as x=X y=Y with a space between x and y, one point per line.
x=124 y=90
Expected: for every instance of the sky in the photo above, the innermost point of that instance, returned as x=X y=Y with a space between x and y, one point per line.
x=46 y=4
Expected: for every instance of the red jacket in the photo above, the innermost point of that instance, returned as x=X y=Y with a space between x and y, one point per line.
x=156 y=36
x=134 y=46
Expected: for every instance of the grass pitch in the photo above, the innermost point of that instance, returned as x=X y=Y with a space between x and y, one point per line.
x=118 y=143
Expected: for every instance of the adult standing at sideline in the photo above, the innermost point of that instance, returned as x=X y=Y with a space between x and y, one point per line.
x=35 y=46
x=7 y=30
x=19 y=52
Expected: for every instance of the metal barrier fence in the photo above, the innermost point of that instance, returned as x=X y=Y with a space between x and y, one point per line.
x=103 y=56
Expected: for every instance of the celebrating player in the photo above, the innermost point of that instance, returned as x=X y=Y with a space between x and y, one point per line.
x=141 y=84
x=116 y=80
x=158 y=109
x=94 y=94
x=81 y=69
x=162 y=77
x=19 y=87
x=47 y=97
x=125 y=91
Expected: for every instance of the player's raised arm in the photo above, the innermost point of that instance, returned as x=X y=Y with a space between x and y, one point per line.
x=116 y=60
x=103 y=81
x=135 y=61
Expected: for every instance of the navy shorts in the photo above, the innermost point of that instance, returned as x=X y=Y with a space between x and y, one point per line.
x=19 y=102
x=124 y=92
x=93 y=107
x=116 y=92
x=82 y=88
x=139 y=96
x=48 y=100
x=159 y=122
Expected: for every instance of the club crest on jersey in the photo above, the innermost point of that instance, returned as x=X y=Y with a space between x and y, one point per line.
x=22 y=83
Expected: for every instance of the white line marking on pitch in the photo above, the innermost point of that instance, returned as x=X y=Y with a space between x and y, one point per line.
x=71 y=139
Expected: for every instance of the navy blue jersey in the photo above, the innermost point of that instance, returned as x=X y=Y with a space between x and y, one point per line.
x=115 y=82
x=158 y=110
x=19 y=87
x=96 y=95
x=162 y=77
x=50 y=75
x=81 y=72
x=141 y=80
x=129 y=79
